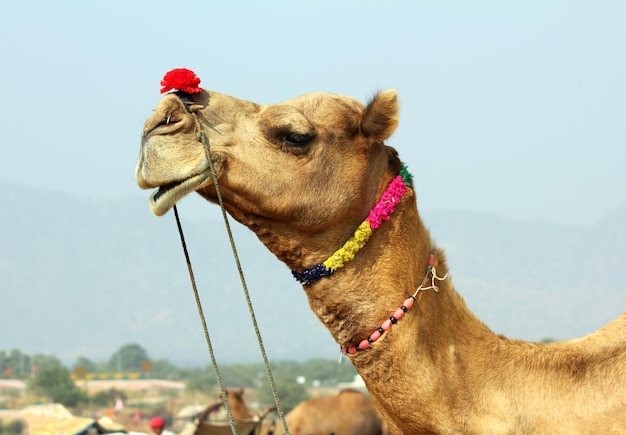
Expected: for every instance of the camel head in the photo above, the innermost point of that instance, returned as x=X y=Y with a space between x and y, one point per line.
x=310 y=165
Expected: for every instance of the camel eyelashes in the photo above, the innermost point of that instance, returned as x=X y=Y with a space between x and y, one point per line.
x=296 y=139
x=294 y=143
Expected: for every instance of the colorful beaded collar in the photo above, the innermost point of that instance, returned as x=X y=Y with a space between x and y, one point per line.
x=381 y=212
x=399 y=313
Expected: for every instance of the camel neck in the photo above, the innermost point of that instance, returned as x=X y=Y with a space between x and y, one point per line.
x=353 y=302
x=389 y=269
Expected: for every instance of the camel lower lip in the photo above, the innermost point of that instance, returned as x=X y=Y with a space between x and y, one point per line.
x=166 y=196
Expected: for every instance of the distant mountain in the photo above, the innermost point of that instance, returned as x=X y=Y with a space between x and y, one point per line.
x=83 y=277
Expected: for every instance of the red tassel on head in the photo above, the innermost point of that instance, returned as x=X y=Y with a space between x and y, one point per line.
x=182 y=79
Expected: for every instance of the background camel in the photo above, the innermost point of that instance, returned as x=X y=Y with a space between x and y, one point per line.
x=238 y=407
x=214 y=419
x=348 y=412
x=313 y=178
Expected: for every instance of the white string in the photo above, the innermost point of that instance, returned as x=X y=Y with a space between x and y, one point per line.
x=433 y=273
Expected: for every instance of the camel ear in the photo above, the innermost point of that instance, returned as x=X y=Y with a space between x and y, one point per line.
x=380 y=117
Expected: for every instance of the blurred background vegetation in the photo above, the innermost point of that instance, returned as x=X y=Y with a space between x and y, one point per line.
x=51 y=381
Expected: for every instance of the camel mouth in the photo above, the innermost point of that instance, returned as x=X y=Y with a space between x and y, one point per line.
x=166 y=196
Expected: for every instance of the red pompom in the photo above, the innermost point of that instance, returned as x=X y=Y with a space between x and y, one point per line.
x=182 y=79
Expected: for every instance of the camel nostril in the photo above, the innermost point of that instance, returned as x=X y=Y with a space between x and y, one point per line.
x=171 y=118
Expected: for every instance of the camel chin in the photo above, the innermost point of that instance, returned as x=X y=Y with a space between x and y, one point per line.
x=166 y=196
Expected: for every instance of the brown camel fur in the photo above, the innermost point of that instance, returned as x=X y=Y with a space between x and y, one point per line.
x=303 y=175
x=349 y=412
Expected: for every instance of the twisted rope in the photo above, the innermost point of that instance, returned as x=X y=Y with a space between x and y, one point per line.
x=207 y=337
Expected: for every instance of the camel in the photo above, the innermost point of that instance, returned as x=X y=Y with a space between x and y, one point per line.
x=348 y=412
x=313 y=178
x=238 y=407
x=209 y=422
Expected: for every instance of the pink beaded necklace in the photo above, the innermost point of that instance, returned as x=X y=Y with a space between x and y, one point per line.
x=397 y=315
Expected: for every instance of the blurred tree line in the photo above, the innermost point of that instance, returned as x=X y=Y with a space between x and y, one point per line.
x=130 y=358
x=50 y=379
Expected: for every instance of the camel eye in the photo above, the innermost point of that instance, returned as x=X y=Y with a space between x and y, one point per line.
x=296 y=139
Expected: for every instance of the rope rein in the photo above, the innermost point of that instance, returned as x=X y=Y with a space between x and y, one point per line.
x=231 y=421
x=205 y=142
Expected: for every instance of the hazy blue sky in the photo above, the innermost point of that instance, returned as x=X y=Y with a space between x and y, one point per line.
x=512 y=108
